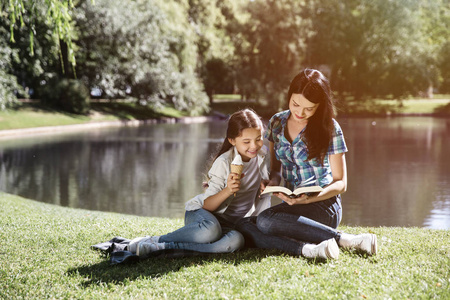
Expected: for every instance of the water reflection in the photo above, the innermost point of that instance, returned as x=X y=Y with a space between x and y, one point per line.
x=398 y=172
x=398 y=169
x=150 y=170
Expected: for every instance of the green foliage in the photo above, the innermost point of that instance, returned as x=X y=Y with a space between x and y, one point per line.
x=69 y=95
x=9 y=86
x=31 y=68
x=145 y=51
x=171 y=52
x=378 y=48
x=57 y=13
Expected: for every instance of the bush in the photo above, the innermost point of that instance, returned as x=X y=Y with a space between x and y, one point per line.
x=70 y=95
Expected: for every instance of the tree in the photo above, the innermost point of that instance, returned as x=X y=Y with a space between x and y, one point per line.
x=146 y=51
x=215 y=49
x=269 y=48
x=373 y=47
x=58 y=14
x=8 y=82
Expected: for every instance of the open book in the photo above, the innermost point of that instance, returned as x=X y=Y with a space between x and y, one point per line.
x=292 y=194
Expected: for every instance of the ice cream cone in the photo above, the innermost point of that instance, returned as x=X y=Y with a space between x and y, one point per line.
x=238 y=170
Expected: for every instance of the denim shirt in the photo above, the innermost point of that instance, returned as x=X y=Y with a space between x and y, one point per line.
x=218 y=175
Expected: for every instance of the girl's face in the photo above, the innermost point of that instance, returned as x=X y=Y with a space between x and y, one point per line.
x=301 y=108
x=248 y=143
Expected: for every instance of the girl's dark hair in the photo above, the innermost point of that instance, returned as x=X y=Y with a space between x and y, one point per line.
x=315 y=87
x=240 y=120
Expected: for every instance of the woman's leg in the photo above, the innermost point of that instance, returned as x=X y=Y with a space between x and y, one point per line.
x=255 y=238
x=201 y=226
x=311 y=223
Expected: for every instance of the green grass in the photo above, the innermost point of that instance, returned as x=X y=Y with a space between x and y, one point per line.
x=45 y=253
x=29 y=115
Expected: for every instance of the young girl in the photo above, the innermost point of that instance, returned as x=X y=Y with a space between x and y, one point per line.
x=210 y=216
x=308 y=147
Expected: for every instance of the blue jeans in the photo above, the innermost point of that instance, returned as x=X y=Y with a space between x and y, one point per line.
x=288 y=228
x=203 y=232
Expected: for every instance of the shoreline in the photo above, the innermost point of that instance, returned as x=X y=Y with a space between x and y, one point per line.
x=21 y=132
x=24 y=132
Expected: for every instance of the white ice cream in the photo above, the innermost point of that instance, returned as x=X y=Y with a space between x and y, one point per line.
x=237 y=160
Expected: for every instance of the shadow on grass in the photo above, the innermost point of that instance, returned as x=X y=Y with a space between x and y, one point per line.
x=121 y=110
x=39 y=107
x=443 y=110
x=155 y=267
x=125 y=111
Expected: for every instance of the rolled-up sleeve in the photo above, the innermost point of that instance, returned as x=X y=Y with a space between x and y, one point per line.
x=218 y=175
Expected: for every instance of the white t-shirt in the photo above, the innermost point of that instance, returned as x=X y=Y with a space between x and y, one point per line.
x=245 y=198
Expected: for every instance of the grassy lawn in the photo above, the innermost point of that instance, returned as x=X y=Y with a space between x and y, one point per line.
x=30 y=115
x=45 y=253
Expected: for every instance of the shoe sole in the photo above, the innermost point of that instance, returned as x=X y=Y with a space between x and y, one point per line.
x=137 y=249
x=332 y=250
x=374 y=247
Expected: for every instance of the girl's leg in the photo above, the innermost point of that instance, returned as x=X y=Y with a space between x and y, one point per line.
x=201 y=226
x=230 y=241
x=311 y=223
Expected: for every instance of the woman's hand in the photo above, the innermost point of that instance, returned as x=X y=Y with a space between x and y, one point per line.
x=301 y=199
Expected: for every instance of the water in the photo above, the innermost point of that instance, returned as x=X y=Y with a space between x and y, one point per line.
x=398 y=169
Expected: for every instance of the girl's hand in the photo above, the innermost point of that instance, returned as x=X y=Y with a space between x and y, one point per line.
x=233 y=183
x=301 y=199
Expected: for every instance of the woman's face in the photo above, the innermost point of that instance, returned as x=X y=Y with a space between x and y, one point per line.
x=301 y=108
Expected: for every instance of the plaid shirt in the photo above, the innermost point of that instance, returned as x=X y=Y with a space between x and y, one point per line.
x=297 y=170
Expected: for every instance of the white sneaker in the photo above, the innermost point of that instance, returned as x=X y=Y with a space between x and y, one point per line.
x=328 y=249
x=132 y=246
x=144 y=248
x=366 y=242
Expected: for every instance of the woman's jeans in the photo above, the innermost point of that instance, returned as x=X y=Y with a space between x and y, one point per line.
x=203 y=233
x=288 y=227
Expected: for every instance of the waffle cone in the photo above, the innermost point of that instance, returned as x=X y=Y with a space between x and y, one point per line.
x=237 y=169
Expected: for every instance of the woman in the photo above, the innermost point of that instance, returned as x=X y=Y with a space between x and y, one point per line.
x=307 y=147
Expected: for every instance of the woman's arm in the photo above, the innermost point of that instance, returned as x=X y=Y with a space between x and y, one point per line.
x=233 y=184
x=336 y=187
x=275 y=167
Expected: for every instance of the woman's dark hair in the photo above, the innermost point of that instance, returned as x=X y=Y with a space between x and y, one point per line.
x=315 y=87
x=240 y=120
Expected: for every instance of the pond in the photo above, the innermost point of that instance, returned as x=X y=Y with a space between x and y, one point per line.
x=398 y=169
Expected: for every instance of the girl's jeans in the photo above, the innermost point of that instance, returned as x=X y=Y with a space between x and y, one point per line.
x=203 y=232
x=288 y=227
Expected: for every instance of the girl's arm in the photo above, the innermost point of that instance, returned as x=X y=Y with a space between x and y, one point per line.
x=213 y=202
x=338 y=186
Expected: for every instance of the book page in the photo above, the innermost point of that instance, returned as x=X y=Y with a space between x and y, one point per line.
x=276 y=189
x=308 y=189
